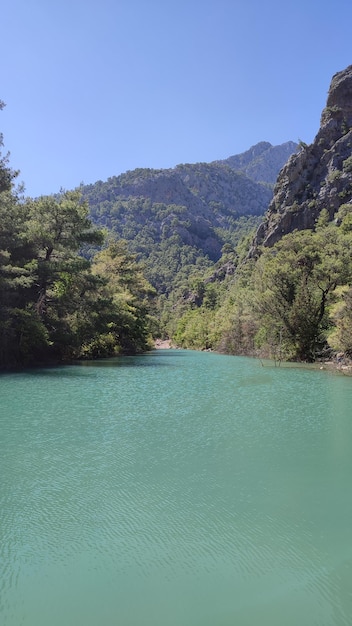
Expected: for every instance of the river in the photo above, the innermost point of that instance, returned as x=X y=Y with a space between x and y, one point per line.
x=176 y=488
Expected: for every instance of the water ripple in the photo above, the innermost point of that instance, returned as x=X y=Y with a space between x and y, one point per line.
x=201 y=485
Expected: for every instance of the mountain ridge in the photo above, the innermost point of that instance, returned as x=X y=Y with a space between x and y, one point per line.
x=199 y=207
x=260 y=162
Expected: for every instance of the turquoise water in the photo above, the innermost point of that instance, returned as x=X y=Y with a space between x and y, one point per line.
x=175 y=489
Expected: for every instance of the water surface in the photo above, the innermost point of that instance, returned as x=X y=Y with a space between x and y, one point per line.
x=175 y=489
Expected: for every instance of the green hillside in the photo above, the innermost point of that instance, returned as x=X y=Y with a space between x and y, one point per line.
x=178 y=220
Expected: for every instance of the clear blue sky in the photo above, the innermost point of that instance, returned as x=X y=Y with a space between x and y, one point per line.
x=94 y=88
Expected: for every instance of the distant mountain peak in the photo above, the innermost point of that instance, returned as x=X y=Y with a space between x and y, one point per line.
x=263 y=161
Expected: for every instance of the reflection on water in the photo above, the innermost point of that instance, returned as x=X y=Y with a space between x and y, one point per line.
x=175 y=489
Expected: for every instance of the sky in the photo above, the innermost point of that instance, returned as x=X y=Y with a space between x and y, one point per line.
x=95 y=88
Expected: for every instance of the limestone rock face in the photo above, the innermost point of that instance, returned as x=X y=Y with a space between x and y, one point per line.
x=318 y=176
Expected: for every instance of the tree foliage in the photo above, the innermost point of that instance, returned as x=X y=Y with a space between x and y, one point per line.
x=172 y=262
x=292 y=303
x=53 y=304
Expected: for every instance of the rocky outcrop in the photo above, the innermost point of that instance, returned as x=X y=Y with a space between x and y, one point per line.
x=319 y=176
x=262 y=162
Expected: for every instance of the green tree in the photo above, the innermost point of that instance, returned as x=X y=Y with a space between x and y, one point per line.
x=20 y=330
x=295 y=282
x=130 y=294
x=194 y=329
x=58 y=227
x=340 y=337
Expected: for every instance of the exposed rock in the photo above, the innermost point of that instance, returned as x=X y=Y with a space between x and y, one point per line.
x=227 y=269
x=197 y=202
x=262 y=162
x=319 y=176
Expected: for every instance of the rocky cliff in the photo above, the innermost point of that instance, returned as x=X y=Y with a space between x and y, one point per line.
x=319 y=176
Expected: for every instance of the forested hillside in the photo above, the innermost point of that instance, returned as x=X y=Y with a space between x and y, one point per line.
x=178 y=220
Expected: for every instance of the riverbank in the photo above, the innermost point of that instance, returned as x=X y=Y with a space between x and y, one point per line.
x=339 y=364
x=163 y=344
x=344 y=366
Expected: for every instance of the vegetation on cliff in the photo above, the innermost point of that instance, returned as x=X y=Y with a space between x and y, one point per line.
x=290 y=298
x=292 y=303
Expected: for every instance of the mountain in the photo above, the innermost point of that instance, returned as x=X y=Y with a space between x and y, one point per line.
x=318 y=176
x=262 y=162
x=176 y=218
